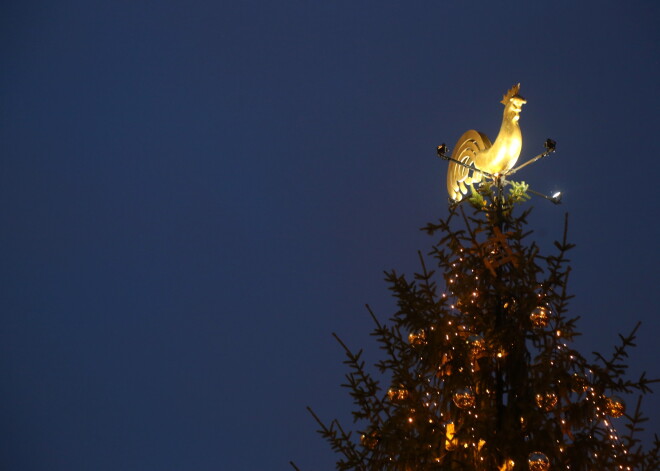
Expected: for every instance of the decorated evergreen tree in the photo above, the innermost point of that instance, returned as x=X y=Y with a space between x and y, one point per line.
x=478 y=372
x=480 y=375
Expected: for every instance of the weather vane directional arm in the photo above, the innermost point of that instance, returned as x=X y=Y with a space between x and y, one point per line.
x=550 y=147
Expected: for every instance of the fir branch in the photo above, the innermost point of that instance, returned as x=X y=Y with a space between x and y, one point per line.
x=363 y=388
x=425 y=277
x=340 y=442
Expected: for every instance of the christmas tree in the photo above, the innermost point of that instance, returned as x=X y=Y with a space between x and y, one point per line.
x=478 y=371
x=480 y=375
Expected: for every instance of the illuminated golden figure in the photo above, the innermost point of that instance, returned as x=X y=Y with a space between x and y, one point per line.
x=475 y=150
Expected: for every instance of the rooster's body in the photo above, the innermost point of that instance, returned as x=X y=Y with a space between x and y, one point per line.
x=475 y=150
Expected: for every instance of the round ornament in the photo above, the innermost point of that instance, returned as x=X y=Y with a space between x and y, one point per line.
x=477 y=344
x=540 y=317
x=417 y=338
x=579 y=383
x=397 y=394
x=615 y=407
x=537 y=461
x=464 y=398
x=546 y=401
x=369 y=440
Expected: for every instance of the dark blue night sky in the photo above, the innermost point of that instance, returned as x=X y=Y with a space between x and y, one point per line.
x=195 y=194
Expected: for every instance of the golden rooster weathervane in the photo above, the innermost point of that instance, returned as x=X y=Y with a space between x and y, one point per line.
x=475 y=157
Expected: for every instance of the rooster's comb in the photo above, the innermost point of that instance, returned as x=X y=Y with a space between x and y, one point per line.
x=510 y=94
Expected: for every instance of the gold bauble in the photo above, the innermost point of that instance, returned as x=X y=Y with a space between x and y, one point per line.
x=417 y=338
x=463 y=330
x=477 y=344
x=397 y=394
x=537 y=461
x=464 y=398
x=546 y=401
x=579 y=383
x=540 y=317
x=615 y=407
x=369 y=440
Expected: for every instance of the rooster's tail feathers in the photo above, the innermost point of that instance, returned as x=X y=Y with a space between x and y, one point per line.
x=458 y=176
